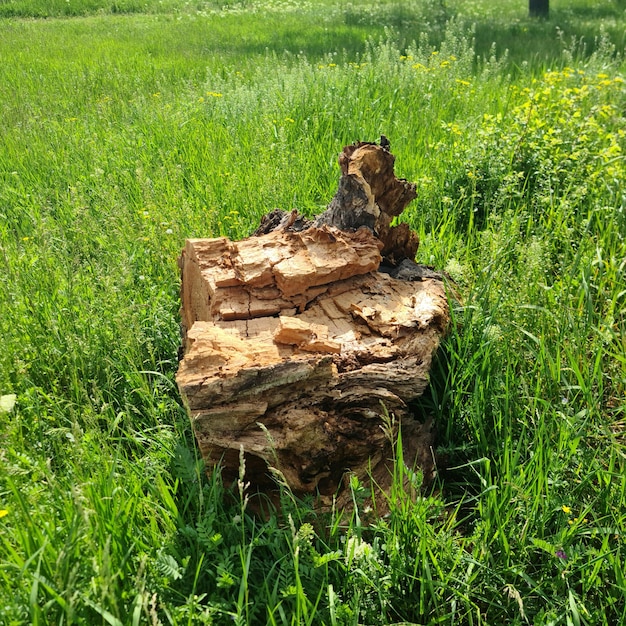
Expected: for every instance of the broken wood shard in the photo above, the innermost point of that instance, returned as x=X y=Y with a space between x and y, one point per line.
x=294 y=341
x=370 y=195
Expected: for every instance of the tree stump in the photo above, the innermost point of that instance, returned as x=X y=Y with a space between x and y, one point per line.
x=298 y=339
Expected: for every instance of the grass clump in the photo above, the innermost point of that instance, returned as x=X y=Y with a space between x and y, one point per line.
x=117 y=147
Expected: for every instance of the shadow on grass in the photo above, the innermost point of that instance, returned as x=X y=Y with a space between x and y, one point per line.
x=535 y=41
x=542 y=42
x=313 y=42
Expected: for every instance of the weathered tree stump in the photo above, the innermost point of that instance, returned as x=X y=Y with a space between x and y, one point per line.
x=295 y=338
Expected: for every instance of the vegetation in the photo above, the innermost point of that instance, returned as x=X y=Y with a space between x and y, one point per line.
x=133 y=125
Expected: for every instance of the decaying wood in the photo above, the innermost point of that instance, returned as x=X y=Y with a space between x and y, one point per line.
x=295 y=344
x=264 y=275
x=370 y=195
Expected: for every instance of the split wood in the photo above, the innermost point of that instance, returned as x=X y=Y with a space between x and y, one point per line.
x=307 y=342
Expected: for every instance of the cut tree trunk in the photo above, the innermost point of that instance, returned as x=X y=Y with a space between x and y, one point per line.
x=301 y=340
x=539 y=8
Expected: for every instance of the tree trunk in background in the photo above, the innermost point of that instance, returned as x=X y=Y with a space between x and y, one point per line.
x=299 y=339
x=539 y=8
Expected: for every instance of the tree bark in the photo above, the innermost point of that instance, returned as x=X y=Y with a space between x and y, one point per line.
x=296 y=344
x=539 y=8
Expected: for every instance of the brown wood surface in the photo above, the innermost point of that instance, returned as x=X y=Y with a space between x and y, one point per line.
x=295 y=345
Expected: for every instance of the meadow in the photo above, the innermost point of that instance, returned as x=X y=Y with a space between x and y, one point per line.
x=128 y=125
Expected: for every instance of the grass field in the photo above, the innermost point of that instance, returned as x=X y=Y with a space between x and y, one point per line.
x=127 y=126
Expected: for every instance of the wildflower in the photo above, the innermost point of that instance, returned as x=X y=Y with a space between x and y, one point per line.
x=455 y=270
x=566 y=509
x=357 y=549
x=3 y=512
x=7 y=402
x=560 y=554
x=492 y=333
x=453 y=128
x=305 y=535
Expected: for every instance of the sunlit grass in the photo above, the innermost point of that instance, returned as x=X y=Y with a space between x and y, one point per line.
x=124 y=134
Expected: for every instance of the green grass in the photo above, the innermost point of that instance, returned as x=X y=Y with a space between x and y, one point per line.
x=124 y=134
x=315 y=27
